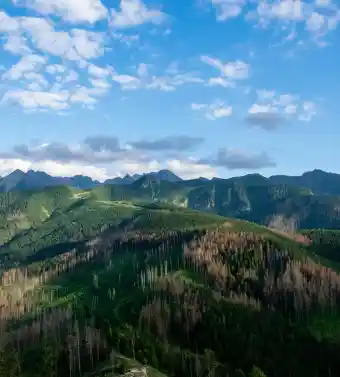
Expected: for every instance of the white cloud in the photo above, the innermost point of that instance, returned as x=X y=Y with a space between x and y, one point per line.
x=98 y=72
x=315 y=22
x=191 y=168
x=284 y=10
x=75 y=44
x=31 y=100
x=290 y=109
x=256 y=109
x=75 y=11
x=85 y=96
x=55 y=68
x=70 y=76
x=171 y=82
x=186 y=169
x=29 y=63
x=88 y=44
x=36 y=78
x=227 y=9
x=167 y=83
x=36 y=98
x=7 y=24
x=285 y=99
x=35 y=85
x=53 y=168
x=133 y=13
x=318 y=17
x=127 y=82
x=220 y=81
x=101 y=84
x=17 y=44
x=214 y=111
x=128 y=40
x=272 y=109
x=230 y=72
x=308 y=112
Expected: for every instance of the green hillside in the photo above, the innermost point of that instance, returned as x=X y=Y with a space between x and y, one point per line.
x=279 y=206
x=252 y=198
x=93 y=286
x=35 y=225
x=276 y=205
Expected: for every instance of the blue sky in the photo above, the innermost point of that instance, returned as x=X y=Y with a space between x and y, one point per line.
x=201 y=87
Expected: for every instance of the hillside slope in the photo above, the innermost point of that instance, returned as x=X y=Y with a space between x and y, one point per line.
x=281 y=206
x=35 y=225
x=286 y=203
x=175 y=290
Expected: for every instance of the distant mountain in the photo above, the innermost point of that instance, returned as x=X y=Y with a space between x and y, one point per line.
x=166 y=175
x=319 y=181
x=253 y=198
x=18 y=180
x=315 y=182
x=83 y=182
x=35 y=180
x=126 y=180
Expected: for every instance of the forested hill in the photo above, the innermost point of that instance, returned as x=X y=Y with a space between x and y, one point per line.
x=280 y=206
x=92 y=286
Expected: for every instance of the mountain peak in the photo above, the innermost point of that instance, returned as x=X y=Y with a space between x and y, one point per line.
x=17 y=172
x=166 y=175
x=314 y=172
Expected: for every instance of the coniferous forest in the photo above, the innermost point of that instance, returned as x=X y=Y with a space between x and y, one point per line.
x=95 y=287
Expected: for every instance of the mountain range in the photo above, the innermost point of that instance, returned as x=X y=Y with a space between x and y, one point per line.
x=318 y=181
x=311 y=200
x=19 y=180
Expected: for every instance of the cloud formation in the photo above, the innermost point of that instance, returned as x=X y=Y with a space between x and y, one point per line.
x=316 y=17
x=73 y=11
x=134 y=13
x=103 y=157
x=230 y=72
x=60 y=46
x=104 y=149
x=272 y=109
x=214 y=111
x=238 y=159
x=142 y=79
x=173 y=143
x=29 y=34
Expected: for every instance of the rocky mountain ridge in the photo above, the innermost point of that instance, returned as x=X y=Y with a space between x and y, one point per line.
x=318 y=181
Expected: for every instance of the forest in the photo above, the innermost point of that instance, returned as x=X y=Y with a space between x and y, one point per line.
x=109 y=288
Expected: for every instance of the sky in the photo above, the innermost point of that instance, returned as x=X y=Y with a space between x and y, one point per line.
x=200 y=87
